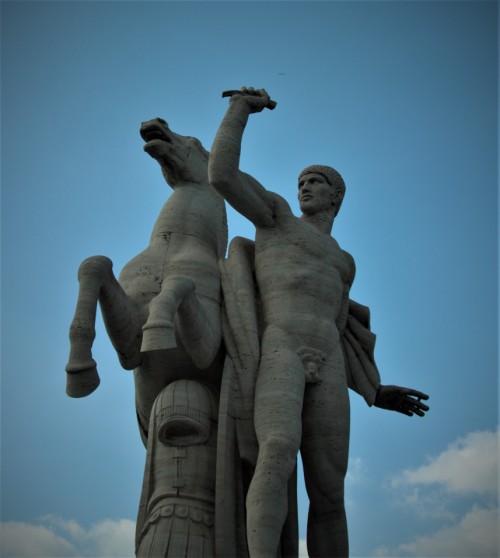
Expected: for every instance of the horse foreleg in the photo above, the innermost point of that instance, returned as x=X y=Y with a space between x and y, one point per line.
x=98 y=284
x=197 y=318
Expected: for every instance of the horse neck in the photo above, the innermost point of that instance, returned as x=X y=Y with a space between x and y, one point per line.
x=202 y=198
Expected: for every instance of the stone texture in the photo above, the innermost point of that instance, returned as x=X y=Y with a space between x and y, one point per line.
x=163 y=317
x=177 y=510
x=314 y=344
x=168 y=296
x=239 y=362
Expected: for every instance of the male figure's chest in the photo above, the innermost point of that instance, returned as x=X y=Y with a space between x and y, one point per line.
x=296 y=254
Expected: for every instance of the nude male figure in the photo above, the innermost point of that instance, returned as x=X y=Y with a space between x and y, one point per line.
x=304 y=279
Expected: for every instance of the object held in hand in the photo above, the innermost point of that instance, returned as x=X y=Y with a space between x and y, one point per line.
x=230 y=92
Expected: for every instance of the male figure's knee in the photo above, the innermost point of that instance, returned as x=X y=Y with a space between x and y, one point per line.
x=282 y=452
x=329 y=507
x=326 y=498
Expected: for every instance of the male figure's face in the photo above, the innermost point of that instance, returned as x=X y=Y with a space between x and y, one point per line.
x=315 y=193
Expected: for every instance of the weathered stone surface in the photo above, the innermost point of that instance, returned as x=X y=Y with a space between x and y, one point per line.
x=239 y=362
x=177 y=510
x=163 y=315
x=311 y=350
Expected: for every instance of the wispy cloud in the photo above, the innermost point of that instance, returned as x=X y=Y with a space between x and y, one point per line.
x=24 y=539
x=469 y=465
x=467 y=469
x=476 y=535
x=54 y=536
x=356 y=470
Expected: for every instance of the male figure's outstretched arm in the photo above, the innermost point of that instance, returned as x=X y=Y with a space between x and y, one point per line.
x=358 y=343
x=240 y=190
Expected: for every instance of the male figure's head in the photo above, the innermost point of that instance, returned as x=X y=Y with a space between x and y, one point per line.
x=320 y=188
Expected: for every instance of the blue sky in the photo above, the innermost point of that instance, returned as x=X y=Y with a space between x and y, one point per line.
x=400 y=97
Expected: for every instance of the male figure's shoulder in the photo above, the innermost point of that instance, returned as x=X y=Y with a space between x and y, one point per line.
x=351 y=264
x=280 y=204
x=281 y=212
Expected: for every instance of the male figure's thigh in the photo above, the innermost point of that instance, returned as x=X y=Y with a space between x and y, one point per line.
x=279 y=392
x=325 y=434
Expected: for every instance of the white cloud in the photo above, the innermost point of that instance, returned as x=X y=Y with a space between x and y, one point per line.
x=68 y=526
x=469 y=465
x=113 y=538
x=467 y=468
x=303 y=549
x=433 y=504
x=356 y=470
x=55 y=537
x=25 y=540
x=475 y=536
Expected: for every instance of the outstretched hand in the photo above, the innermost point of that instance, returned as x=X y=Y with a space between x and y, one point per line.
x=401 y=399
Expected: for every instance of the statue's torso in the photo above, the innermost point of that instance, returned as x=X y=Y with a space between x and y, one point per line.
x=188 y=238
x=303 y=277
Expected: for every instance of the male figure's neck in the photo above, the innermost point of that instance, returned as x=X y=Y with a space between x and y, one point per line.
x=323 y=221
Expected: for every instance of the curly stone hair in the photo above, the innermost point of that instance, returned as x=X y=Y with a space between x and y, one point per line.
x=332 y=176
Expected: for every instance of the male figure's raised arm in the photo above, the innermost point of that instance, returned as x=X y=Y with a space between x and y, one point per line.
x=239 y=189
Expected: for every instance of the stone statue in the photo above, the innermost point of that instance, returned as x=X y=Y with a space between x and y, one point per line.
x=177 y=510
x=163 y=316
x=315 y=343
x=239 y=361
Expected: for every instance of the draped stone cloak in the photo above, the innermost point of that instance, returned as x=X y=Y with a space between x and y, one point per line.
x=241 y=333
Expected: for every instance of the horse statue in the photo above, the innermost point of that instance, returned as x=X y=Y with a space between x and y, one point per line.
x=194 y=357
x=163 y=314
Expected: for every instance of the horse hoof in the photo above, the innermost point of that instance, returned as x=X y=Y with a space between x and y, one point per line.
x=82 y=378
x=158 y=336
